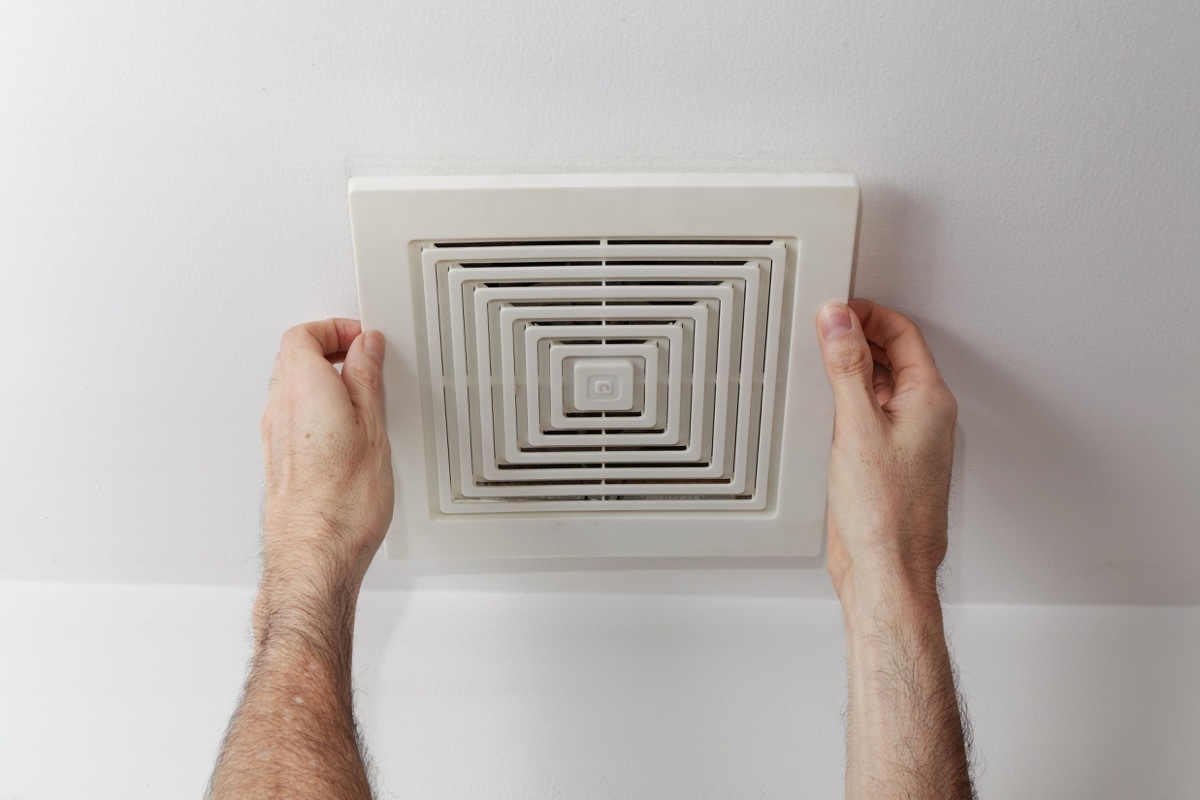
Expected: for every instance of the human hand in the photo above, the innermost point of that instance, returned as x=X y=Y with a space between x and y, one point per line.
x=329 y=492
x=328 y=505
x=893 y=444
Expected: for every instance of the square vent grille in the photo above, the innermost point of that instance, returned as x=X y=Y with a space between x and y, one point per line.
x=604 y=374
x=604 y=365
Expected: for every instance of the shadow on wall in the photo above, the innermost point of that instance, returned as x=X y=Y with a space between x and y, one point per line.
x=377 y=625
x=1042 y=508
x=1033 y=483
x=757 y=577
x=1114 y=682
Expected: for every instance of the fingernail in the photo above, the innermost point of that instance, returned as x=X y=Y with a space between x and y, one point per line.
x=834 y=320
x=373 y=344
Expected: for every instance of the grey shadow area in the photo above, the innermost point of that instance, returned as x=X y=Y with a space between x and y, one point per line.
x=1116 y=682
x=1043 y=510
x=738 y=577
x=379 y=618
x=1148 y=717
x=896 y=252
x=898 y=236
x=951 y=576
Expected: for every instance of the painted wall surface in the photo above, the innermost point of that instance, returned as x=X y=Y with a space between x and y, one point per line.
x=172 y=197
x=125 y=693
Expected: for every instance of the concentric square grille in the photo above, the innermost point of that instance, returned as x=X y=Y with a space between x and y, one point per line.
x=602 y=374
x=614 y=364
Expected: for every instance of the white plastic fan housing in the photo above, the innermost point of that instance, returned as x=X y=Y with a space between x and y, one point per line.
x=605 y=365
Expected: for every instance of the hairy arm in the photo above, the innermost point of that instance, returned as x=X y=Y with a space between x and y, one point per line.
x=905 y=737
x=889 y=483
x=329 y=502
x=294 y=734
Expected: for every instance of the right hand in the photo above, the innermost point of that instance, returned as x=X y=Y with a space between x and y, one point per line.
x=893 y=444
x=328 y=462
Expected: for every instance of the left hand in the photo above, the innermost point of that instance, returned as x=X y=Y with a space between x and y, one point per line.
x=329 y=493
x=893 y=444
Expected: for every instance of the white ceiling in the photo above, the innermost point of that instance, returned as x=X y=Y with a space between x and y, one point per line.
x=172 y=196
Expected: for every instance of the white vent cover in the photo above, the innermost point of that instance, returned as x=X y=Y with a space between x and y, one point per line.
x=604 y=365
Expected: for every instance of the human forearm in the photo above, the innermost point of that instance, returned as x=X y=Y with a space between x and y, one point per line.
x=889 y=486
x=905 y=735
x=329 y=497
x=294 y=732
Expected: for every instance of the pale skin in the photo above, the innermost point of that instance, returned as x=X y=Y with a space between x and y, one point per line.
x=889 y=486
x=329 y=502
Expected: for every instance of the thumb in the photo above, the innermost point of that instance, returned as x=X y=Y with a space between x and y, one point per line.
x=848 y=360
x=362 y=373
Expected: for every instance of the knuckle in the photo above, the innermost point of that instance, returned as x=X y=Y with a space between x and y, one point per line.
x=850 y=359
x=946 y=396
x=371 y=380
x=951 y=404
x=944 y=405
x=267 y=422
x=289 y=356
x=903 y=322
x=854 y=431
x=286 y=339
x=274 y=379
x=295 y=341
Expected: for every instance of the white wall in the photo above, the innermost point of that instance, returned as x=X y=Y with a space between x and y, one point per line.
x=172 y=196
x=112 y=692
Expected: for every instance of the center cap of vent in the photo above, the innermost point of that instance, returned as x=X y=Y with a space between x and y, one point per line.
x=602 y=384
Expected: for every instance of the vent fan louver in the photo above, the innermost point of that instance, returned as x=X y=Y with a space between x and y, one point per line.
x=604 y=365
x=589 y=375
